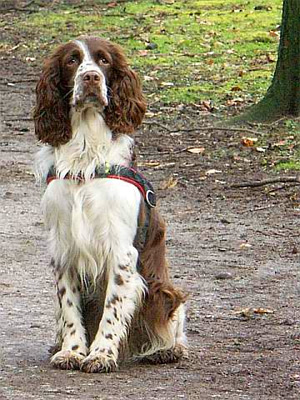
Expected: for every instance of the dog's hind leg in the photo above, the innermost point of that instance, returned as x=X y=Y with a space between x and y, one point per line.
x=163 y=312
x=167 y=343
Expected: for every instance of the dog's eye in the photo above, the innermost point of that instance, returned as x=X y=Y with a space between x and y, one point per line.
x=72 y=61
x=103 y=60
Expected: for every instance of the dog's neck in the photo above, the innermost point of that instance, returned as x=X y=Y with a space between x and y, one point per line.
x=92 y=144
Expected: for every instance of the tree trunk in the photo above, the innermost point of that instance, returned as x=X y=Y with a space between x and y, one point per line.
x=283 y=96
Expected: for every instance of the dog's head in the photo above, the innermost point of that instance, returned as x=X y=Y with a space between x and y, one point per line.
x=87 y=72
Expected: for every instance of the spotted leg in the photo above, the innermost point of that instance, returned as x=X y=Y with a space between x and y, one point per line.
x=125 y=289
x=70 y=329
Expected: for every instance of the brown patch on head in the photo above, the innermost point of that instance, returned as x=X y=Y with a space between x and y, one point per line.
x=75 y=347
x=69 y=302
x=70 y=325
x=52 y=110
x=73 y=332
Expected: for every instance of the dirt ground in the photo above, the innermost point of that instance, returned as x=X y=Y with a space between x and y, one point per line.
x=235 y=251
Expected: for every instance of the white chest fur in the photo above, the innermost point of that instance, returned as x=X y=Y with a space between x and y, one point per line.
x=92 y=144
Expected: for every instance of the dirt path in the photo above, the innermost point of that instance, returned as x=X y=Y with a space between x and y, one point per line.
x=230 y=249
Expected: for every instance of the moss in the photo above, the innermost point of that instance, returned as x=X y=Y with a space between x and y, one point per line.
x=288 y=165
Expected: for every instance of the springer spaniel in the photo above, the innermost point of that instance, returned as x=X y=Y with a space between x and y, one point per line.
x=107 y=242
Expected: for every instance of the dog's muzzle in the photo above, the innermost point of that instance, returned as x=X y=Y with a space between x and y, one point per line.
x=90 y=91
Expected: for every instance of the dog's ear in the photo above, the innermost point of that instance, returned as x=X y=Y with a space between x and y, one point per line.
x=51 y=113
x=127 y=105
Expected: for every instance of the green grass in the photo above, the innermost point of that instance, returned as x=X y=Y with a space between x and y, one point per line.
x=205 y=49
x=288 y=165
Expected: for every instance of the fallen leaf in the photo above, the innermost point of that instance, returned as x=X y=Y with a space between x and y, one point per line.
x=150 y=114
x=169 y=183
x=263 y=311
x=167 y=84
x=206 y=105
x=212 y=171
x=249 y=312
x=148 y=78
x=235 y=102
x=196 y=150
x=274 y=34
x=143 y=53
x=210 y=61
x=248 y=141
x=149 y=164
x=260 y=149
x=244 y=312
x=245 y=246
x=280 y=143
x=236 y=89
x=270 y=58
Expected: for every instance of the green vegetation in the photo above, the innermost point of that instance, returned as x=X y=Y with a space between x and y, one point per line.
x=203 y=49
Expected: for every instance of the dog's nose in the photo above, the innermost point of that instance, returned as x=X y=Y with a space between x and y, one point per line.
x=91 y=77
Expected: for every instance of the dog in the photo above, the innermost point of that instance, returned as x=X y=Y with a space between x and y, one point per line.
x=106 y=238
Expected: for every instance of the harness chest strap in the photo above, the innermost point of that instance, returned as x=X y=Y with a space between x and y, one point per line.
x=129 y=175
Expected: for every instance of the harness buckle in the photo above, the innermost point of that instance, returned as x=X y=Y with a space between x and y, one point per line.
x=150 y=198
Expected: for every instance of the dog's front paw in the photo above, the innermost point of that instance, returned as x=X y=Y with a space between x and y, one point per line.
x=98 y=363
x=67 y=359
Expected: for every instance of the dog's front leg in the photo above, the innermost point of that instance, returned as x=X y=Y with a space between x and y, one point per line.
x=70 y=328
x=125 y=289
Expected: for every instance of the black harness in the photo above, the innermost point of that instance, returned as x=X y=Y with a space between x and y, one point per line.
x=130 y=175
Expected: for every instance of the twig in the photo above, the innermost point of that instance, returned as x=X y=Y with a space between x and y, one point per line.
x=204 y=128
x=259 y=208
x=282 y=187
x=158 y=124
x=280 y=179
x=186 y=130
x=215 y=128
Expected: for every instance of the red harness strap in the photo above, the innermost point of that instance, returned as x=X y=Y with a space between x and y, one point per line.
x=129 y=180
x=122 y=178
x=129 y=175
